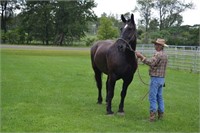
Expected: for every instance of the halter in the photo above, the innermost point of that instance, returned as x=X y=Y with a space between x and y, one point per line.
x=129 y=46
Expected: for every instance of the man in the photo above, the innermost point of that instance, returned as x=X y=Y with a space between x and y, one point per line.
x=157 y=70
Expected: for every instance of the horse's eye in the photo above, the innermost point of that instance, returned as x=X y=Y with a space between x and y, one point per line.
x=130 y=28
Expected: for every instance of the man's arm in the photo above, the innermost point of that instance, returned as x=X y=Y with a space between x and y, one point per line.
x=151 y=62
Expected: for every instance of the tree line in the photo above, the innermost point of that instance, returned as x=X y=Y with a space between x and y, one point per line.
x=168 y=22
x=55 y=22
x=50 y=21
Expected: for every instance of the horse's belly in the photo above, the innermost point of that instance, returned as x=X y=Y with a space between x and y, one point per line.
x=100 y=61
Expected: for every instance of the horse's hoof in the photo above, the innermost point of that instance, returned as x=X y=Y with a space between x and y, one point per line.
x=99 y=103
x=110 y=113
x=121 y=113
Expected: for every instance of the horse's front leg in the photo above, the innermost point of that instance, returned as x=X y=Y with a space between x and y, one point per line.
x=110 y=86
x=123 y=95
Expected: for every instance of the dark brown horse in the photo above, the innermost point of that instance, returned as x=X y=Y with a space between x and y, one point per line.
x=117 y=60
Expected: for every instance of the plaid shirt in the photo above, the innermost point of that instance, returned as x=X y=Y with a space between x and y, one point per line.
x=157 y=63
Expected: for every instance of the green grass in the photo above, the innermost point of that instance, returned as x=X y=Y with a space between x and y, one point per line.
x=55 y=91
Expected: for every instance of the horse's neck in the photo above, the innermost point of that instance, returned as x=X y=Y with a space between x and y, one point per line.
x=133 y=45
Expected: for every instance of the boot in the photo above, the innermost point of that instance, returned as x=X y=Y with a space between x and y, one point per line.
x=152 y=116
x=160 y=115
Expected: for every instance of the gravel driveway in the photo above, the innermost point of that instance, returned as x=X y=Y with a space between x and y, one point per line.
x=32 y=47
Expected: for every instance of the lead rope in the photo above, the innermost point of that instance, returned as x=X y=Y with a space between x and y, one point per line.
x=141 y=78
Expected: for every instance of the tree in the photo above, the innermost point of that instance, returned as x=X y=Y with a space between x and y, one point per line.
x=71 y=18
x=7 y=8
x=145 y=9
x=169 y=12
x=38 y=20
x=56 y=21
x=184 y=35
x=114 y=18
x=106 y=29
x=153 y=25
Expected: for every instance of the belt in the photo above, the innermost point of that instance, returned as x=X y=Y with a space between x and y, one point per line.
x=157 y=77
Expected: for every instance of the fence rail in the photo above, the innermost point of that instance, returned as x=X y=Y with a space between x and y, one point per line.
x=179 y=57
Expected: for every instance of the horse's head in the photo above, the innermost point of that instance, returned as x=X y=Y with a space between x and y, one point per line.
x=129 y=32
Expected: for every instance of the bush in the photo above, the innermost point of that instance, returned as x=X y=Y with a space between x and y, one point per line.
x=106 y=29
x=90 y=40
x=15 y=36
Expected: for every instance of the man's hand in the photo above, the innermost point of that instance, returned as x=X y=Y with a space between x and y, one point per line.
x=139 y=55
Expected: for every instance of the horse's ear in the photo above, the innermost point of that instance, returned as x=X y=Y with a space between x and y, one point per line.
x=123 y=19
x=132 y=19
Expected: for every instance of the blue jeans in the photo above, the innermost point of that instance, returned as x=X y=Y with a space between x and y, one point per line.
x=156 y=94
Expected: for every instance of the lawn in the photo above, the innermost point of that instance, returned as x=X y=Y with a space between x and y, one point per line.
x=55 y=91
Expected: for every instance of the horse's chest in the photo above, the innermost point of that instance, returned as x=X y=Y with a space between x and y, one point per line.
x=120 y=64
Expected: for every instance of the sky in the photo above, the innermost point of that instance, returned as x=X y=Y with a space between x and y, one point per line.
x=190 y=16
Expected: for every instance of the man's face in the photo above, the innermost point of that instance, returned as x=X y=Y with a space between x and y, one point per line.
x=158 y=47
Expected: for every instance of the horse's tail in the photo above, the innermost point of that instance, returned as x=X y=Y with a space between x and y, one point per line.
x=92 y=53
x=97 y=72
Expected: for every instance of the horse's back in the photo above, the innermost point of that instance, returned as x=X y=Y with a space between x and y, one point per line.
x=104 y=44
x=98 y=54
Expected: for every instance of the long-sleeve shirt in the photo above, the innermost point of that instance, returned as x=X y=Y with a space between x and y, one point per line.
x=157 y=63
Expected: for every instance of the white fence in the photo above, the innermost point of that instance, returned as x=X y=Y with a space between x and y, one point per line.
x=179 y=57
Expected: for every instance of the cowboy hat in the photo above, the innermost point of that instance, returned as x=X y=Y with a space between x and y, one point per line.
x=160 y=42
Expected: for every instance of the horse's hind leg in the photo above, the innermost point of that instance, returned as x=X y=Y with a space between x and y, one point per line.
x=98 y=75
x=107 y=90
